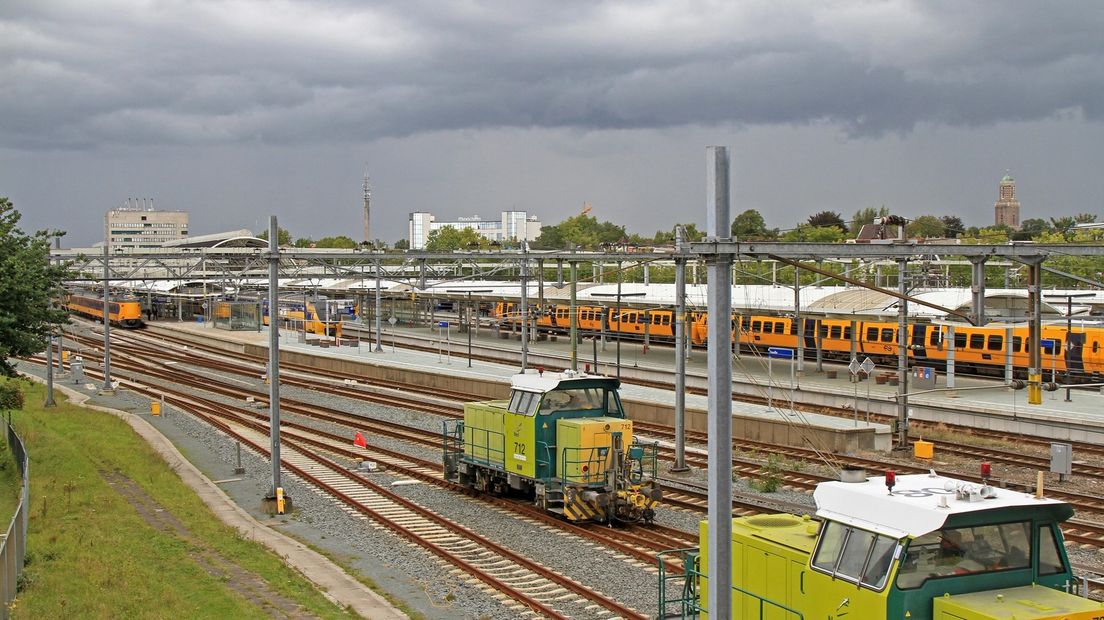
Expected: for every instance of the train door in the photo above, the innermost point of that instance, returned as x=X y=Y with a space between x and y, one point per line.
x=919 y=347
x=811 y=326
x=1075 y=352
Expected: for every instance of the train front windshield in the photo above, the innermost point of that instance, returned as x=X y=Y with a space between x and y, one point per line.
x=980 y=549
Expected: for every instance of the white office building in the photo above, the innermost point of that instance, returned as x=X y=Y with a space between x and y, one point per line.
x=512 y=226
x=140 y=227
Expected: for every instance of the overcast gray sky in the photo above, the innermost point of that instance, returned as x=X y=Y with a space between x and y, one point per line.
x=239 y=109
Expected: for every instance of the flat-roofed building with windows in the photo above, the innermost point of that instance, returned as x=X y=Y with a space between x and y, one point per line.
x=131 y=228
x=511 y=226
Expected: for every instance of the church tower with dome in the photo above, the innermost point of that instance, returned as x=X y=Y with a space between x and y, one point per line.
x=1007 y=209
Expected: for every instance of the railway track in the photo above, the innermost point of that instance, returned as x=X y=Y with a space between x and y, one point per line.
x=745 y=467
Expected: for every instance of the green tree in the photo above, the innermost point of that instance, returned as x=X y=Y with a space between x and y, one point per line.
x=1063 y=225
x=402 y=244
x=1031 y=228
x=827 y=218
x=926 y=226
x=750 y=225
x=581 y=231
x=449 y=238
x=952 y=225
x=29 y=287
x=815 y=234
x=867 y=216
x=283 y=237
x=340 y=241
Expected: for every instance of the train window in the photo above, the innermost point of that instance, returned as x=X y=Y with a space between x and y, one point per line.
x=1050 y=561
x=829 y=546
x=768 y=327
x=995 y=342
x=756 y=326
x=854 y=554
x=1017 y=342
x=822 y=330
x=935 y=338
x=1055 y=345
x=745 y=323
x=889 y=335
x=956 y=551
x=872 y=334
x=779 y=327
x=835 y=332
x=977 y=341
x=960 y=340
x=1096 y=346
x=847 y=333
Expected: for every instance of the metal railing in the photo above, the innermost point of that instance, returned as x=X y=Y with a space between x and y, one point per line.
x=13 y=548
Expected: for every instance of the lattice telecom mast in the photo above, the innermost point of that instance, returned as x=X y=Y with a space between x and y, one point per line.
x=367 y=207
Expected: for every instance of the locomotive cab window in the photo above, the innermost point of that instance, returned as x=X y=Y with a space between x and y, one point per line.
x=524 y=403
x=954 y=552
x=1050 y=561
x=855 y=555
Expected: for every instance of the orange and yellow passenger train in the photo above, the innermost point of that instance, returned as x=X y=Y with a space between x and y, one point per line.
x=122 y=312
x=978 y=350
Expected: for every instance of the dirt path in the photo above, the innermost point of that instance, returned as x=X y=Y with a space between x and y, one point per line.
x=247 y=584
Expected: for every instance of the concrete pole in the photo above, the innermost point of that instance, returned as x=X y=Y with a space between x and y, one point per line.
x=977 y=289
x=1007 y=356
x=274 y=350
x=1034 y=331
x=902 y=356
x=575 y=317
x=50 y=371
x=680 y=358
x=719 y=424
x=950 y=342
x=379 y=310
x=107 y=320
x=524 y=313
x=800 y=324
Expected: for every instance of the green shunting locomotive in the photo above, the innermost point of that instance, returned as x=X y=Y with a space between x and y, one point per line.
x=563 y=441
x=918 y=547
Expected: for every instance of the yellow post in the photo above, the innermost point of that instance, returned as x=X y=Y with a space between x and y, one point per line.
x=279 y=500
x=155 y=407
x=65 y=356
x=1035 y=388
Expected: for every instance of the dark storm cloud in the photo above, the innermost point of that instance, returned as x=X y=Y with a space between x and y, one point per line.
x=80 y=74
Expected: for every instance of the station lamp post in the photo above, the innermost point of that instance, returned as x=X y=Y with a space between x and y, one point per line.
x=1069 y=330
x=617 y=313
x=469 y=293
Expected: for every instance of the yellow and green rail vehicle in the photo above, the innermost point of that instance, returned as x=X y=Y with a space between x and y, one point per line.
x=563 y=441
x=922 y=547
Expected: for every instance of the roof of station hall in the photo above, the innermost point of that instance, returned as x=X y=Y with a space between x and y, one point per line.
x=836 y=301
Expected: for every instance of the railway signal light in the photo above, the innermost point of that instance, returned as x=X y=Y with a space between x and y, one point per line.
x=986 y=472
x=890 y=480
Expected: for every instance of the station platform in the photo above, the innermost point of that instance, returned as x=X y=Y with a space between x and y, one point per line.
x=983 y=403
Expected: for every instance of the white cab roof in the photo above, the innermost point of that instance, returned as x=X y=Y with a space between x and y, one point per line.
x=533 y=381
x=916 y=506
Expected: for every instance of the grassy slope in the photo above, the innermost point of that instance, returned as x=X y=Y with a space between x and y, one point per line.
x=90 y=555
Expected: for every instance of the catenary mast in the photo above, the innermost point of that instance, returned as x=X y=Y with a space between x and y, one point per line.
x=367 y=208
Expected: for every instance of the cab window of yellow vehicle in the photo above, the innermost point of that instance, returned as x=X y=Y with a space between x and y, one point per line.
x=856 y=555
x=1050 y=561
x=964 y=551
x=524 y=403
